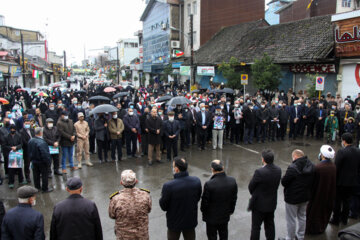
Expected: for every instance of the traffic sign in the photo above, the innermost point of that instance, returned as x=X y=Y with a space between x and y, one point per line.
x=244 y=79
x=320 y=82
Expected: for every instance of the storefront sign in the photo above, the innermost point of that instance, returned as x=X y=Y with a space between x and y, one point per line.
x=313 y=68
x=176 y=64
x=347 y=37
x=185 y=70
x=206 y=71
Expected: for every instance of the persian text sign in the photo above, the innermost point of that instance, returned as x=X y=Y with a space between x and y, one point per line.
x=313 y=68
x=206 y=71
x=347 y=37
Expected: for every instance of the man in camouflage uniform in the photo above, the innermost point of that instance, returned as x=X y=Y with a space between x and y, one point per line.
x=130 y=207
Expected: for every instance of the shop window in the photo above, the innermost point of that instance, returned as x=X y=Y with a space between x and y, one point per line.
x=346 y=3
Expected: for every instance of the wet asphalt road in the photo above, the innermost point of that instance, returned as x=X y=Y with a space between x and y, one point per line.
x=240 y=161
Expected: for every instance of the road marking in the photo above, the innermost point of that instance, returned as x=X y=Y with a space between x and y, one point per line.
x=248 y=149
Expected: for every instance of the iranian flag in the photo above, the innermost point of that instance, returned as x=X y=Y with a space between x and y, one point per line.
x=35 y=74
x=178 y=53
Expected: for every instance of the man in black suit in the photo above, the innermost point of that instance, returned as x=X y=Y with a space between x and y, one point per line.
x=202 y=123
x=75 y=217
x=26 y=134
x=249 y=117
x=263 y=189
x=218 y=201
x=347 y=173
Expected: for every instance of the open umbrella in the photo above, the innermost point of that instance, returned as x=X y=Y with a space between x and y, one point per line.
x=195 y=91
x=99 y=98
x=20 y=90
x=56 y=86
x=129 y=88
x=109 y=89
x=225 y=90
x=34 y=90
x=104 y=108
x=4 y=101
x=178 y=101
x=81 y=91
x=164 y=98
x=41 y=94
x=121 y=94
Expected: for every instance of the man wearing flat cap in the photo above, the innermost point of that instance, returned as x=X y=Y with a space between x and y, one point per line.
x=130 y=207
x=75 y=217
x=323 y=193
x=23 y=222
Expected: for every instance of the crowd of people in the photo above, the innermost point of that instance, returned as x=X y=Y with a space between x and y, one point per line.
x=312 y=193
x=47 y=130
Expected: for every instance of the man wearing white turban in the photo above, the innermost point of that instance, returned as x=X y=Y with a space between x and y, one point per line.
x=323 y=193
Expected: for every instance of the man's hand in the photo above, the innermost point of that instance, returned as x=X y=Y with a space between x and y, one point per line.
x=105 y=125
x=204 y=127
x=180 y=116
x=264 y=121
x=147 y=130
x=158 y=131
x=13 y=148
x=134 y=130
x=118 y=133
x=72 y=138
x=320 y=118
x=56 y=144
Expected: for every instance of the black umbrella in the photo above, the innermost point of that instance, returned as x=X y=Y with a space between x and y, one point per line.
x=225 y=90
x=178 y=101
x=81 y=91
x=99 y=98
x=164 y=98
x=104 y=108
x=129 y=88
x=121 y=94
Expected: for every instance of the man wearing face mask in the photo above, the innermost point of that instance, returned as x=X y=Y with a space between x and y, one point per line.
x=101 y=135
x=153 y=125
x=181 y=116
x=202 y=122
x=249 y=116
x=39 y=155
x=320 y=121
x=26 y=134
x=23 y=222
x=14 y=144
x=323 y=192
x=78 y=109
x=237 y=123
x=295 y=114
x=116 y=128
x=132 y=129
x=52 y=113
x=262 y=120
x=67 y=133
x=52 y=138
x=171 y=132
x=218 y=129
x=345 y=114
x=82 y=143
x=144 y=134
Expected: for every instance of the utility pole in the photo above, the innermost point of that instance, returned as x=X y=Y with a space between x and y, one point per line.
x=117 y=65
x=23 y=60
x=65 y=64
x=193 y=75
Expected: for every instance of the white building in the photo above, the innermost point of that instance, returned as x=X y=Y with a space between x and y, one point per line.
x=347 y=5
x=191 y=7
x=128 y=50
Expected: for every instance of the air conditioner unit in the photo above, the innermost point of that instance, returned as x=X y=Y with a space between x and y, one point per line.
x=175 y=44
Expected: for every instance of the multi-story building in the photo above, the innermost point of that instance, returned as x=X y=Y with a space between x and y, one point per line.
x=302 y=9
x=273 y=6
x=128 y=50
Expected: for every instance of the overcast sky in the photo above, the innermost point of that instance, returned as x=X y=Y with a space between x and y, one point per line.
x=71 y=24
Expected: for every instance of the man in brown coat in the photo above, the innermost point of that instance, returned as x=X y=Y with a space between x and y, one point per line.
x=130 y=207
x=153 y=126
x=116 y=127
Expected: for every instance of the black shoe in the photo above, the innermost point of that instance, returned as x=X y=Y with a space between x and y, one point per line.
x=56 y=172
x=135 y=156
x=159 y=161
x=48 y=190
x=334 y=222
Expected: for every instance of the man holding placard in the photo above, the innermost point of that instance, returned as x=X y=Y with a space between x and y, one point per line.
x=52 y=138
